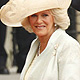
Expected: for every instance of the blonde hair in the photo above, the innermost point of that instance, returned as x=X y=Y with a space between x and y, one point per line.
x=61 y=18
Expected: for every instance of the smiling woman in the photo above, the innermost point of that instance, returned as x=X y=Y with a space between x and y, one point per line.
x=54 y=55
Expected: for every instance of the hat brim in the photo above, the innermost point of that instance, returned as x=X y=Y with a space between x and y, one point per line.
x=15 y=11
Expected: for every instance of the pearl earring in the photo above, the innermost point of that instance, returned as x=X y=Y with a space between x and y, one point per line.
x=55 y=25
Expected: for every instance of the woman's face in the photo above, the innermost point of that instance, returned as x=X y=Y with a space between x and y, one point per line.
x=42 y=23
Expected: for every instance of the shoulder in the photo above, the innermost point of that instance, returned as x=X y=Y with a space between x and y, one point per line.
x=69 y=48
x=68 y=40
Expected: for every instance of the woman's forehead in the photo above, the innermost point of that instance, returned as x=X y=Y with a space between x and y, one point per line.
x=41 y=12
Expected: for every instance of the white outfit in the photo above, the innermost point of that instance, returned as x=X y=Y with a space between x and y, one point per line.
x=59 y=61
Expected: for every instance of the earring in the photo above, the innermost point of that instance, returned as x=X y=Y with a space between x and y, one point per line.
x=55 y=25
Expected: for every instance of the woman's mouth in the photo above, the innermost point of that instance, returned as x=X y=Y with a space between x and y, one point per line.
x=40 y=27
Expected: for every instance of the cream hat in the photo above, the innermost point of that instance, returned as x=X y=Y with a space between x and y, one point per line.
x=15 y=12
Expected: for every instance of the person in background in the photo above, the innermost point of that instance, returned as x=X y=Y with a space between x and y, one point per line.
x=23 y=40
x=3 y=54
x=76 y=4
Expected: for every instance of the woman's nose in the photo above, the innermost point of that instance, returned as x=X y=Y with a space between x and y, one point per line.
x=39 y=19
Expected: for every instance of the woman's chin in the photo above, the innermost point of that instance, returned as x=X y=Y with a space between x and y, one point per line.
x=40 y=34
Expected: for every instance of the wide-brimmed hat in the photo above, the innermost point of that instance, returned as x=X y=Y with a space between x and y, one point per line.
x=15 y=12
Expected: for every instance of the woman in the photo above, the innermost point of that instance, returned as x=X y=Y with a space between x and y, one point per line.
x=53 y=55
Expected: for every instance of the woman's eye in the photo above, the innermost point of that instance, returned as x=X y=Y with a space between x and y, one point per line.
x=34 y=15
x=45 y=15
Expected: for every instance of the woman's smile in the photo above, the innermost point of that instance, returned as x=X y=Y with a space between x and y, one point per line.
x=40 y=27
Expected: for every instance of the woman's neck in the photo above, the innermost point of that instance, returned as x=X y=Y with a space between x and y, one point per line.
x=43 y=42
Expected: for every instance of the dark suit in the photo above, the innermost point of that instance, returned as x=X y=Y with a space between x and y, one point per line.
x=76 y=4
x=23 y=39
x=3 y=54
